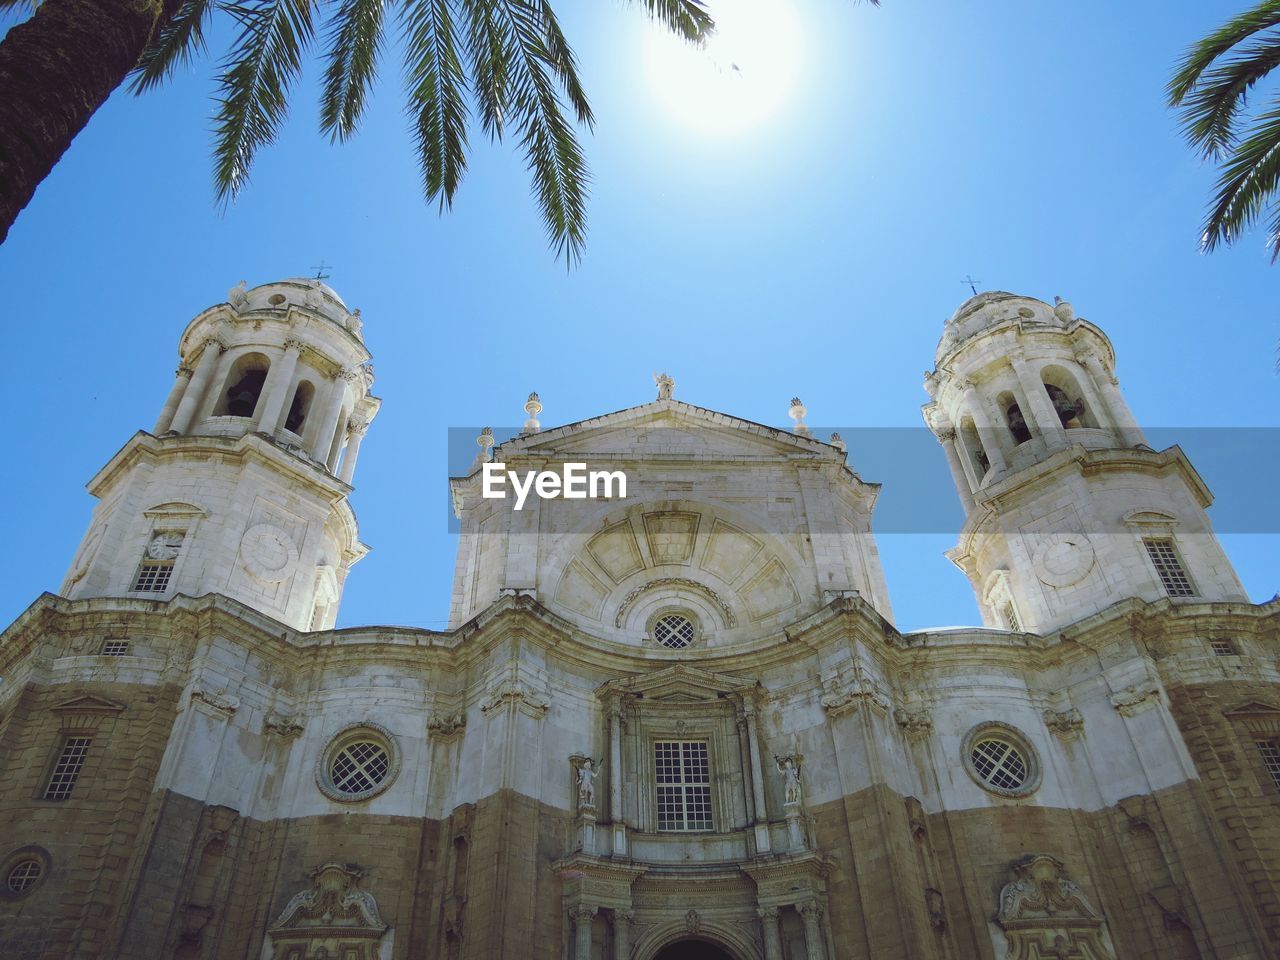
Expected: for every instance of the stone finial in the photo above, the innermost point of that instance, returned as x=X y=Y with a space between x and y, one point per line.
x=484 y=442
x=666 y=386
x=533 y=407
x=797 y=412
x=237 y=296
x=1063 y=310
x=837 y=441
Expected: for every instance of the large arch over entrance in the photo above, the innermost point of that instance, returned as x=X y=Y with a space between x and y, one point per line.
x=693 y=949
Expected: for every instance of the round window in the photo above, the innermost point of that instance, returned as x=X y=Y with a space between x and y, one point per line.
x=23 y=875
x=673 y=630
x=1001 y=760
x=360 y=762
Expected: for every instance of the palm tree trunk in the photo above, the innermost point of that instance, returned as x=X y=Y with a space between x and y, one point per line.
x=56 y=69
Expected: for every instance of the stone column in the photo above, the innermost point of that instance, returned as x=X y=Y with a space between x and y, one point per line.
x=1130 y=433
x=358 y=428
x=582 y=915
x=744 y=757
x=811 y=914
x=772 y=939
x=194 y=394
x=181 y=379
x=328 y=422
x=757 y=778
x=279 y=379
x=958 y=476
x=622 y=934
x=1042 y=413
x=982 y=423
x=615 y=780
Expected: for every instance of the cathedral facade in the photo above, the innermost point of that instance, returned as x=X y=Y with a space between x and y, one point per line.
x=675 y=723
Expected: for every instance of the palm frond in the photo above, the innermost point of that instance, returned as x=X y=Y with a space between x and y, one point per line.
x=562 y=60
x=354 y=44
x=1248 y=181
x=1211 y=110
x=1201 y=56
x=487 y=49
x=437 y=90
x=254 y=86
x=175 y=44
x=688 y=19
x=550 y=145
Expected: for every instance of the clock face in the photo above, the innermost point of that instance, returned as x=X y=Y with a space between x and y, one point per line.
x=165 y=546
x=1063 y=559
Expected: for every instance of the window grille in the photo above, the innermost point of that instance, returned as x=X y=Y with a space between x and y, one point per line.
x=67 y=770
x=24 y=875
x=999 y=763
x=1011 y=617
x=1270 y=750
x=1169 y=567
x=674 y=630
x=683 y=776
x=153 y=576
x=114 y=648
x=359 y=766
x=1222 y=648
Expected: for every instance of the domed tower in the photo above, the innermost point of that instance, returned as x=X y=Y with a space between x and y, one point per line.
x=1067 y=508
x=241 y=488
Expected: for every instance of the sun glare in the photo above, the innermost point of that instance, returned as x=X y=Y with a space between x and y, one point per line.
x=747 y=70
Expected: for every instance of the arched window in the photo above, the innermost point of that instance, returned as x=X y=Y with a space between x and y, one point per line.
x=243 y=386
x=1067 y=398
x=300 y=407
x=973 y=446
x=1014 y=419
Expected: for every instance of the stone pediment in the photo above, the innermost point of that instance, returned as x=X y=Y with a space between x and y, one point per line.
x=88 y=703
x=680 y=683
x=659 y=429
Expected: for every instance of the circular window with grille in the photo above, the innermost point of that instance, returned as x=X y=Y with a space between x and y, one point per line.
x=359 y=763
x=22 y=871
x=1001 y=760
x=673 y=630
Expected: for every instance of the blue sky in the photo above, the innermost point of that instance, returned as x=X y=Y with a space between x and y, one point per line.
x=816 y=254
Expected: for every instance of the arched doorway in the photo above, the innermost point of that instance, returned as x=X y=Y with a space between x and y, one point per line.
x=692 y=950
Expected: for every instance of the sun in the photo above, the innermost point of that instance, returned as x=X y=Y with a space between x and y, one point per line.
x=746 y=71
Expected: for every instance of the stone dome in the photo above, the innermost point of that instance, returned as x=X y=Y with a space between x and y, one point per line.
x=992 y=308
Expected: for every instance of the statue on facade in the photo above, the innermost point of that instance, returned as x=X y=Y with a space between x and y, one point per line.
x=588 y=770
x=666 y=385
x=789 y=767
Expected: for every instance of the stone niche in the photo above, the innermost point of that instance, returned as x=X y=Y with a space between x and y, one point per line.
x=332 y=920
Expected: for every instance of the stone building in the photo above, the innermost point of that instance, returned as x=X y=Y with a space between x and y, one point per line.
x=679 y=723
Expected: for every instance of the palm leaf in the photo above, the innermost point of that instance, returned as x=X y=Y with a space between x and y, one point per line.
x=1201 y=56
x=265 y=59
x=1211 y=109
x=487 y=54
x=437 y=90
x=1248 y=181
x=352 y=57
x=175 y=44
x=688 y=19
x=551 y=147
x=563 y=62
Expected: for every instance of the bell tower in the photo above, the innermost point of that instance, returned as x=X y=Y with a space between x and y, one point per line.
x=241 y=487
x=1067 y=508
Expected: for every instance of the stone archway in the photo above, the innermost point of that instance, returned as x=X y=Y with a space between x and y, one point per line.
x=693 y=949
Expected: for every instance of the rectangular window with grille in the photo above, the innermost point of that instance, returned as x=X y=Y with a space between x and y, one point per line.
x=683 y=776
x=1222 y=648
x=153 y=576
x=114 y=648
x=1169 y=567
x=67 y=770
x=1270 y=750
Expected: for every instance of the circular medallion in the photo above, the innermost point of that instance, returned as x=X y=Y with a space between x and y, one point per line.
x=268 y=552
x=1063 y=559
